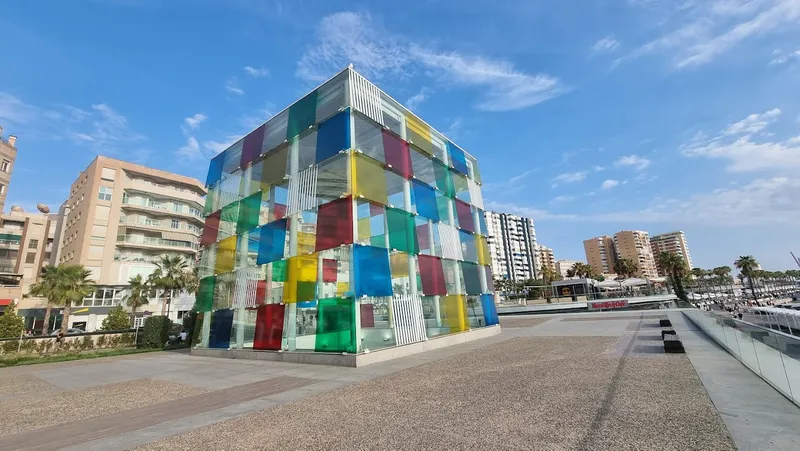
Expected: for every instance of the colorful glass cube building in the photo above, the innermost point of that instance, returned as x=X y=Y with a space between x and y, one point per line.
x=343 y=224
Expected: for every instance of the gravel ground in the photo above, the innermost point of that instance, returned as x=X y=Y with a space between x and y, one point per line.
x=544 y=393
x=21 y=415
x=22 y=384
x=522 y=321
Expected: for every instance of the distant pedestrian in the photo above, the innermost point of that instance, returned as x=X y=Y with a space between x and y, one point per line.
x=183 y=335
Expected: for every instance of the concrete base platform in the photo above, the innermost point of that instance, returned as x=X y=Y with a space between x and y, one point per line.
x=351 y=360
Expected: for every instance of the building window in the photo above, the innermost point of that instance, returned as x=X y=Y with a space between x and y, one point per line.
x=177 y=207
x=105 y=193
x=2 y=189
x=33 y=244
x=176 y=224
x=30 y=257
x=5 y=166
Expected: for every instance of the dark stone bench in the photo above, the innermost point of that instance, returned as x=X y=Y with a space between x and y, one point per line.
x=673 y=345
x=664 y=323
x=667 y=331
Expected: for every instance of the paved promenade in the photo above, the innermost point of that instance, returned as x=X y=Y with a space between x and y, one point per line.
x=560 y=382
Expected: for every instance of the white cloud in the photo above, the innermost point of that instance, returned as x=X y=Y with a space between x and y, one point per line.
x=702 y=31
x=745 y=151
x=232 y=87
x=779 y=57
x=349 y=37
x=562 y=199
x=569 y=177
x=15 y=110
x=191 y=151
x=634 y=161
x=608 y=184
x=597 y=168
x=416 y=100
x=216 y=147
x=762 y=201
x=753 y=123
x=607 y=44
x=511 y=185
x=256 y=73
x=194 y=121
x=108 y=132
x=454 y=130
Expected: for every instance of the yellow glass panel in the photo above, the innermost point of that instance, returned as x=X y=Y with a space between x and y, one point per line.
x=226 y=255
x=364 y=232
x=369 y=180
x=306 y=242
x=483 y=250
x=418 y=134
x=454 y=310
x=399 y=264
x=300 y=278
x=342 y=288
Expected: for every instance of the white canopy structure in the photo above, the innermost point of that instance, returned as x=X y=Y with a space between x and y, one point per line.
x=781 y=318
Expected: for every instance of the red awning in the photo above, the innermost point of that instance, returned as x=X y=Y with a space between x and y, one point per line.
x=5 y=301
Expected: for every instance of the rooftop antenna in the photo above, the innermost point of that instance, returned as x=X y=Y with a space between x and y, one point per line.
x=796 y=260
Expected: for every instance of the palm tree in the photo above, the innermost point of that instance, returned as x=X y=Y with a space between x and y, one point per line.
x=168 y=276
x=675 y=266
x=137 y=294
x=191 y=281
x=47 y=287
x=75 y=283
x=746 y=264
x=626 y=267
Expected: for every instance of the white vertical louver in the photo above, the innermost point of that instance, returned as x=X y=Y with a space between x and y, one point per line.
x=244 y=293
x=451 y=244
x=475 y=194
x=366 y=97
x=409 y=323
x=302 y=191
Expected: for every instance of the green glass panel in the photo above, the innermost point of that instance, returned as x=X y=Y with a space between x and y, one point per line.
x=402 y=233
x=210 y=197
x=461 y=187
x=228 y=218
x=444 y=179
x=205 y=294
x=198 y=327
x=279 y=271
x=336 y=331
x=302 y=115
x=249 y=209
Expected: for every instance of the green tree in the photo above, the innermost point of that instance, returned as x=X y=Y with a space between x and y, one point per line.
x=168 y=276
x=626 y=267
x=746 y=264
x=47 y=287
x=675 y=266
x=11 y=324
x=74 y=284
x=138 y=290
x=117 y=319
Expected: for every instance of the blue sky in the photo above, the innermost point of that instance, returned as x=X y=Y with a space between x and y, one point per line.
x=590 y=116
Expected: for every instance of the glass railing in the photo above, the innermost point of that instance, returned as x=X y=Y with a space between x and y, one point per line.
x=163 y=207
x=160 y=224
x=773 y=355
x=144 y=240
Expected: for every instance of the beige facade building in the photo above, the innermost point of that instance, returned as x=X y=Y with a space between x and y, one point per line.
x=8 y=155
x=601 y=254
x=547 y=258
x=563 y=266
x=120 y=218
x=26 y=243
x=635 y=245
x=674 y=243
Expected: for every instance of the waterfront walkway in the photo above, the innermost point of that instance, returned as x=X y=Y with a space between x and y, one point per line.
x=573 y=382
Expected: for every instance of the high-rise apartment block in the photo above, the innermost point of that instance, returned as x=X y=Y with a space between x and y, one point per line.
x=635 y=245
x=601 y=254
x=343 y=224
x=546 y=257
x=120 y=218
x=512 y=246
x=674 y=243
x=8 y=155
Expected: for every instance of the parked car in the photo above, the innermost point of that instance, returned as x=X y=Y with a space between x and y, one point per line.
x=69 y=332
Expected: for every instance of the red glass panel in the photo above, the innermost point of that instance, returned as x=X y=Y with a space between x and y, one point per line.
x=329 y=270
x=261 y=291
x=432 y=274
x=269 y=327
x=464 y=216
x=367 y=315
x=280 y=211
x=210 y=230
x=375 y=209
x=396 y=153
x=336 y=221
x=422 y=237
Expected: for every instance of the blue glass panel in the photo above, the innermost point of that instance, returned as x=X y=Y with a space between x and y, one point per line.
x=333 y=135
x=472 y=281
x=489 y=309
x=457 y=158
x=468 y=246
x=215 y=169
x=221 y=324
x=482 y=219
x=272 y=242
x=425 y=198
x=371 y=271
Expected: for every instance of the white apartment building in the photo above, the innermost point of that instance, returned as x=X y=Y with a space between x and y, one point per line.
x=512 y=245
x=562 y=266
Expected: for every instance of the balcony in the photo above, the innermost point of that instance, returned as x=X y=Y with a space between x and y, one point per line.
x=160 y=209
x=151 y=243
x=164 y=190
x=145 y=224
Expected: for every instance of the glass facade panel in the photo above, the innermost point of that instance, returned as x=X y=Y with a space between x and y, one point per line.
x=472 y=281
x=276 y=131
x=425 y=201
x=368 y=138
x=458 y=159
x=333 y=136
x=272 y=242
x=337 y=218
x=443 y=179
x=336 y=330
x=221 y=325
x=402 y=231
x=215 y=169
x=432 y=275
x=419 y=134
x=371 y=272
x=489 y=309
x=205 y=294
x=461 y=187
x=484 y=258
x=396 y=154
x=371 y=224
x=252 y=145
x=301 y=279
x=454 y=315
x=226 y=255
x=233 y=159
x=249 y=209
x=274 y=166
x=332 y=179
x=210 y=229
x=302 y=115
x=464 y=213
x=269 y=327
x=331 y=98
x=369 y=180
